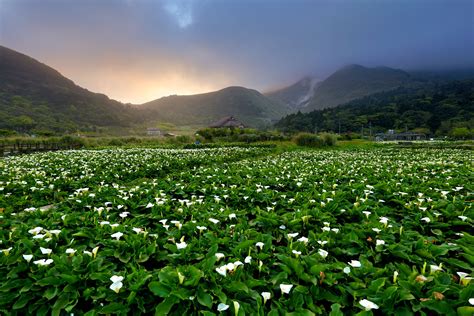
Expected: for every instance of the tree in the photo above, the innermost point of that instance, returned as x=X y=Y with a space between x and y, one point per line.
x=460 y=133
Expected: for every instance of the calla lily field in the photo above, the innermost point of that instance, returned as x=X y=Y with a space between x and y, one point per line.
x=237 y=231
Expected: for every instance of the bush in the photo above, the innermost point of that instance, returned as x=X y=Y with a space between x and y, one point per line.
x=308 y=140
x=460 y=133
x=72 y=141
x=183 y=139
x=6 y=132
x=313 y=140
x=116 y=142
x=329 y=139
x=249 y=138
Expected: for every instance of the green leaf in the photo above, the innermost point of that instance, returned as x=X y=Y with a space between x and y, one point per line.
x=237 y=286
x=61 y=302
x=48 y=281
x=83 y=234
x=165 y=307
x=50 y=293
x=376 y=285
x=192 y=275
x=23 y=300
x=301 y=312
x=69 y=278
x=159 y=289
x=465 y=311
x=336 y=310
x=113 y=308
x=440 y=307
x=169 y=276
x=204 y=298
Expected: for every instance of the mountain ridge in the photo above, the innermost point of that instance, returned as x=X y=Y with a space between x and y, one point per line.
x=37 y=97
x=249 y=105
x=355 y=81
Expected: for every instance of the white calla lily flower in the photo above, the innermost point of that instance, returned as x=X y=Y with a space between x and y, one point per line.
x=286 y=288
x=355 y=264
x=46 y=251
x=222 y=307
x=368 y=305
x=28 y=257
x=266 y=296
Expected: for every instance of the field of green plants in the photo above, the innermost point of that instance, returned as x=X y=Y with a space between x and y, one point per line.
x=237 y=231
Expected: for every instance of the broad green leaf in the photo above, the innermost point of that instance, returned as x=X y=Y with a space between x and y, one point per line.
x=159 y=289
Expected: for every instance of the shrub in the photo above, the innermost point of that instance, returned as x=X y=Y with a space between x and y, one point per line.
x=460 y=133
x=308 y=140
x=183 y=139
x=72 y=141
x=116 y=142
x=329 y=139
x=249 y=138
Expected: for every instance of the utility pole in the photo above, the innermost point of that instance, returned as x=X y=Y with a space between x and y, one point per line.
x=339 y=127
x=370 y=129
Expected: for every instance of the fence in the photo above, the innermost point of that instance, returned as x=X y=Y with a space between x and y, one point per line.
x=18 y=148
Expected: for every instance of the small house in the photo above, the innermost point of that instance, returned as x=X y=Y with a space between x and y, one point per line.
x=153 y=131
x=392 y=136
x=229 y=121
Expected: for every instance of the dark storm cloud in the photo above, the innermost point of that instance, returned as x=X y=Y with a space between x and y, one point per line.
x=137 y=50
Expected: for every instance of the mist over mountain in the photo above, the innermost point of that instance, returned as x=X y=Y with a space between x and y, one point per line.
x=352 y=82
x=297 y=95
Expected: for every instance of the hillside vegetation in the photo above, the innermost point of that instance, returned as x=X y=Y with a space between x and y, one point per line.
x=34 y=96
x=429 y=107
x=353 y=82
x=249 y=106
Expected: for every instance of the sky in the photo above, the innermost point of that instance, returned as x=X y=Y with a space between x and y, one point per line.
x=139 y=50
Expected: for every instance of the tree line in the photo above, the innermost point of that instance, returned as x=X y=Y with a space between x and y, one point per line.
x=432 y=108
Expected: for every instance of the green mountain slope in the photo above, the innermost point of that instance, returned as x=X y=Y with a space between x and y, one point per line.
x=352 y=82
x=247 y=105
x=434 y=107
x=34 y=96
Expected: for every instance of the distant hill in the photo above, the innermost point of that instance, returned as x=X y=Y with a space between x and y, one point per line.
x=34 y=96
x=352 y=82
x=249 y=106
x=431 y=107
x=297 y=95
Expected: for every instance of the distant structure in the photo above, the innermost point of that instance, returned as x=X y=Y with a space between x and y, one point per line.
x=391 y=135
x=153 y=131
x=228 y=121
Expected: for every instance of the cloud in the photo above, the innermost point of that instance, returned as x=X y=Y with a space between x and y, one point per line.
x=138 y=50
x=181 y=11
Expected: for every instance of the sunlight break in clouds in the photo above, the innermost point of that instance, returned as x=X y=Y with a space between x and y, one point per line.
x=181 y=10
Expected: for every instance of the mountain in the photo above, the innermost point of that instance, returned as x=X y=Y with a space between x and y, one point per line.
x=432 y=107
x=352 y=82
x=247 y=105
x=34 y=96
x=297 y=95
